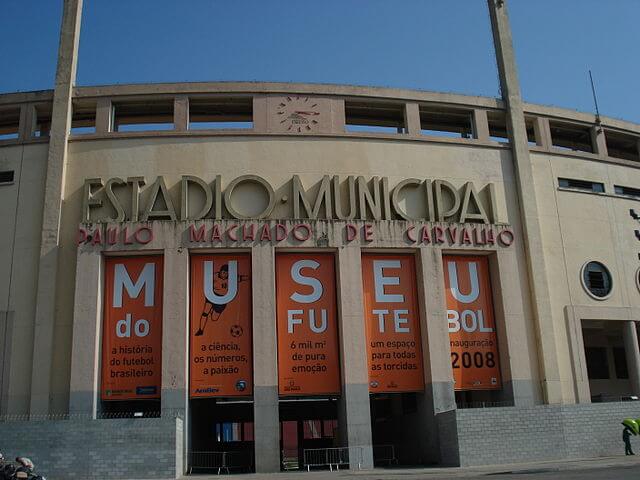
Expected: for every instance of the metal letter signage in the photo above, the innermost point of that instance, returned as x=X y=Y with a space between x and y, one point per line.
x=392 y=323
x=221 y=326
x=472 y=330
x=308 y=353
x=132 y=338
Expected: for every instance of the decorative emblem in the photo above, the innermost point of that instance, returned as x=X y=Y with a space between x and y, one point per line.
x=236 y=331
x=241 y=385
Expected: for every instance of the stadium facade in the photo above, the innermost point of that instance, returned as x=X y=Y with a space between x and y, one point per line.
x=300 y=274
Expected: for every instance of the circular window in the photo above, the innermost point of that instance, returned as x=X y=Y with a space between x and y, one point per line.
x=596 y=280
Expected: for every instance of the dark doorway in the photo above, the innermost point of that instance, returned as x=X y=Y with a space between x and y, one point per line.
x=306 y=424
x=395 y=430
x=221 y=436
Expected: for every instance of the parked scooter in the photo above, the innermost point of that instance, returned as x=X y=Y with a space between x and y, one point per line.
x=22 y=470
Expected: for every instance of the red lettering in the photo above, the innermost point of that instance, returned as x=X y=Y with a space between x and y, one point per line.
x=466 y=236
x=216 y=234
x=506 y=237
x=97 y=237
x=297 y=235
x=352 y=231
x=426 y=236
x=112 y=236
x=479 y=236
x=438 y=233
x=265 y=235
x=143 y=239
x=281 y=232
x=127 y=239
x=410 y=234
x=368 y=232
x=196 y=235
x=82 y=236
x=248 y=233
x=452 y=231
x=231 y=232
x=491 y=239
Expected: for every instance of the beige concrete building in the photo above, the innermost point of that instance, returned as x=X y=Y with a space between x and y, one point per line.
x=546 y=198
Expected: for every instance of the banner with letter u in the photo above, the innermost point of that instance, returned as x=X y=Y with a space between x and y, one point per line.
x=308 y=352
x=221 y=326
x=132 y=328
x=472 y=328
x=392 y=322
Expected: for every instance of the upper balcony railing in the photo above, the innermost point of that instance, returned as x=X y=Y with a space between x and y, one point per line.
x=210 y=109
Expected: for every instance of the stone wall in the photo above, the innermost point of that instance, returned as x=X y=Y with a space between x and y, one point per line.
x=97 y=449
x=545 y=432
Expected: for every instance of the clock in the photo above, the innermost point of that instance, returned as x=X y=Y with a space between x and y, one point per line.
x=298 y=114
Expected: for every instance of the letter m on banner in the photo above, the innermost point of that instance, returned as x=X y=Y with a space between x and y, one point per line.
x=122 y=281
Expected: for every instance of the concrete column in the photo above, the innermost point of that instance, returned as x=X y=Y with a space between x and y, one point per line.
x=84 y=386
x=104 y=116
x=175 y=330
x=266 y=416
x=532 y=231
x=632 y=353
x=480 y=125
x=599 y=141
x=54 y=192
x=412 y=118
x=27 y=122
x=511 y=328
x=354 y=408
x=542 y=132
x=438 y=402
x=181 y=113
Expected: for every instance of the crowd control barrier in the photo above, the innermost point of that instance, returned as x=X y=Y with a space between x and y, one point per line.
x=333 y=457
x=220 y=461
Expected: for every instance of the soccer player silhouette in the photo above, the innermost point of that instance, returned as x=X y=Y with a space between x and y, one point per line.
x=213 y=311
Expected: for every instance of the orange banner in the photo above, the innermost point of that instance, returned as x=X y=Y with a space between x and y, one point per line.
x=472 y=328
x=221 y=326
x=132 y=328
x=308 y=352
x=393 y=324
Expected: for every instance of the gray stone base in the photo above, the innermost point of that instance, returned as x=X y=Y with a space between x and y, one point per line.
x=545 y=432
x=97 y=449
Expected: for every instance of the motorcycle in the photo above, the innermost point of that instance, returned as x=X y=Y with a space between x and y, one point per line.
x=24 y=470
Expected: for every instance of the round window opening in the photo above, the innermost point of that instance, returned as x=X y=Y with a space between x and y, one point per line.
x=596 y=279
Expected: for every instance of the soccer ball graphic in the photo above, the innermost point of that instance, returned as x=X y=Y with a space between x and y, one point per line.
x=236 y=331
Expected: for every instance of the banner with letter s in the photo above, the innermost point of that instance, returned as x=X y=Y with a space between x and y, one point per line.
x=132 y=328
x=472 y=328
x=221 y=326
x=308 y=351
x=392 y=321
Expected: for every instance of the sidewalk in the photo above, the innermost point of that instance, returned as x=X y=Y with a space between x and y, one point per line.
x=439 y=472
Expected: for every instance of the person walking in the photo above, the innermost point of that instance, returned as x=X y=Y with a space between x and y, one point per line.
x=626 y=438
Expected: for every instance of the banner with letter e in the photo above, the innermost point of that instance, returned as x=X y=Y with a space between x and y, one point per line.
x=472 y=328
x=132 y=328
x=392 y=323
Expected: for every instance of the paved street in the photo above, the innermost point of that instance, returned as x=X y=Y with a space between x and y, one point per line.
x=618 y=468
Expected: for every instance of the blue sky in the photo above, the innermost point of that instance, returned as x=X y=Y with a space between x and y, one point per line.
x=423 y=44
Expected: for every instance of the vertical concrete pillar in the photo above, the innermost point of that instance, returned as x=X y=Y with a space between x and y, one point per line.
x=532 y=231
x=181 y=113
x=53 y=196
x=175 y=331
x=632 y=353
x=412 y=118
x=480 y=125
x=542 y=132
x=104 y=116
x=599 y=141
x=84 y=387
x=438 y=402
x=266 y=417
x=354 y=409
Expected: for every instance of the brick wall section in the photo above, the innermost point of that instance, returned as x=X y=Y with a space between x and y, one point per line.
x=96 y=449
x=545 y=432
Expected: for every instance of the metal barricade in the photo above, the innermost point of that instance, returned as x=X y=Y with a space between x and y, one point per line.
x=220 y=461
x=384 y=454
x=332 y=457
